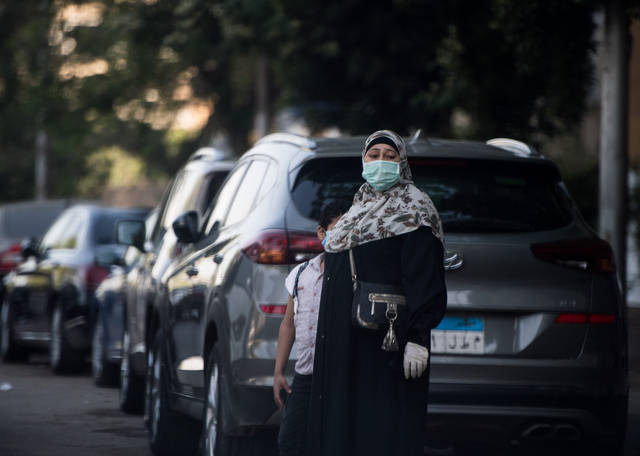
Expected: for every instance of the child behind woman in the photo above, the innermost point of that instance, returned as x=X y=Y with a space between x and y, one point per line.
x=304 y=284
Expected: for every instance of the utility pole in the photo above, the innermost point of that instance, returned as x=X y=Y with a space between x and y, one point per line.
x=41 y=165
x=613 y=134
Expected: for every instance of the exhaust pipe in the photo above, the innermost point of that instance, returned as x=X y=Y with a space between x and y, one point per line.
x=538 y=431
x=547 y=431
x=567 y=432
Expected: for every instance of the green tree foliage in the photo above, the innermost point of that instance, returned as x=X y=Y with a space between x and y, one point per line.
x=31 y=100
x=528 y=69
x=517 y=68
x=514 y=68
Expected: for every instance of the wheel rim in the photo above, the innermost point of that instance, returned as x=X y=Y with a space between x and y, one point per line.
x=56 y=343
x=124 y=368
x=211 y=423
x=4 y=341
x=96 y=351
x=155 y=392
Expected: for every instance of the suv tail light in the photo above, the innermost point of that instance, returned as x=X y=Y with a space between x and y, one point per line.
x=95 y=274
x=273 y=309
x=584 y=318
x=10 y=258
x=593 y=255
x=282 y=247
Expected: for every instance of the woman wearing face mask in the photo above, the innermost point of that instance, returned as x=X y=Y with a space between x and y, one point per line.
x=369 y=393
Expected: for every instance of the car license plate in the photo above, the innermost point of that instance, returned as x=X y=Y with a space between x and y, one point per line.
x=458 y=335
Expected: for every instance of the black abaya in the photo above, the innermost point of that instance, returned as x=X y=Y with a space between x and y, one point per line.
x=361 y=403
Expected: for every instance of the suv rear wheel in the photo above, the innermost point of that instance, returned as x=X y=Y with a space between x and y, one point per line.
x=61 y=356
x=131 y=386
x=169 y=433
x=104 y=373
x=215 y=442
x=9 y=350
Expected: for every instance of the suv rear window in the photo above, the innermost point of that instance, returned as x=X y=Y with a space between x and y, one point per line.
x=471 y=195
x=104 y=225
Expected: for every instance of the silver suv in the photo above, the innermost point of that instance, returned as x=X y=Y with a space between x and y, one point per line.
x=533 y=347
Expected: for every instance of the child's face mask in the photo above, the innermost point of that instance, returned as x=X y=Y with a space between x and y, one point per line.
x=326 y=236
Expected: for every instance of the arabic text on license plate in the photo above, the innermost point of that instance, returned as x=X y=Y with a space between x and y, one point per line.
x=458 y=335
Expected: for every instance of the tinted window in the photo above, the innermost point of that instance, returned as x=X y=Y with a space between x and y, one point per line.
x=215 y=180
x=104 y=225
x=183 y=197
x=246 y=195
x=225 y=197
x=158 y=230
x=471 y=195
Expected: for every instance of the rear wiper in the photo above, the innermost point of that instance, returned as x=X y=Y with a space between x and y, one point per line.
x=485 y=224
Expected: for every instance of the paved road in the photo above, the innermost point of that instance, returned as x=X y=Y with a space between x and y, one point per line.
x=49 y=415
x=43 y=414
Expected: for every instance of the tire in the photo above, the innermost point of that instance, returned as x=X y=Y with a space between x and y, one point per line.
x=169 y=432
x=9 y=349
x=62 y=358
x=214 y=441
x=131 y=386
x=104 y=373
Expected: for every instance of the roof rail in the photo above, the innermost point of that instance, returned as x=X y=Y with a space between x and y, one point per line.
x=512 y=145
x=289 y=138
x=210 y=153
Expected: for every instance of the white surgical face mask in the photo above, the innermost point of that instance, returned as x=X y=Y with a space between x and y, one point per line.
x=381 y=174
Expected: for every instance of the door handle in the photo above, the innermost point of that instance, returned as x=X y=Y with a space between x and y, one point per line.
x=217 y=258
x=192 y=271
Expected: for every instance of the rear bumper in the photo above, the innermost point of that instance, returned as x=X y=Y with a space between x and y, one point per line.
x=506 y=416
x=564 y=404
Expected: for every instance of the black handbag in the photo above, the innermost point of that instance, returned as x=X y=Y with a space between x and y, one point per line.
x=376 y=307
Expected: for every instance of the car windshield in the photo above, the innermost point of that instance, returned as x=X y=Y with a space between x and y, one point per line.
x=471 y=195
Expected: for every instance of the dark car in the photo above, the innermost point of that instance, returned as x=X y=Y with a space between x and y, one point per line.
x=533 y=346
x=49 y=300
x=193 y=188
x=20 y=221
x=106 y=348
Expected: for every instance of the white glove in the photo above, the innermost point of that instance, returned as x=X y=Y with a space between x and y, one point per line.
x=416 y=358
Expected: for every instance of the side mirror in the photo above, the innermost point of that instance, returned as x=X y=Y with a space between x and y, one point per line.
x=131 y=232
x=29 y=247
x=186 y=227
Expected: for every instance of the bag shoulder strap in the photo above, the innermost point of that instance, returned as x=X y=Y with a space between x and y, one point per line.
x=352 y=265
x=295 y=286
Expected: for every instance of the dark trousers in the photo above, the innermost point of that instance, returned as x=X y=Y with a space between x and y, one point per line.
x=293 y=426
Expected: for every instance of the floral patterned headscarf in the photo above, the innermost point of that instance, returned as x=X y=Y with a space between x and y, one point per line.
x=378 y=215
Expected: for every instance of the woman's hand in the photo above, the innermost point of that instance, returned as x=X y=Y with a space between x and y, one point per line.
x=279 y=384
x=416 y=359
